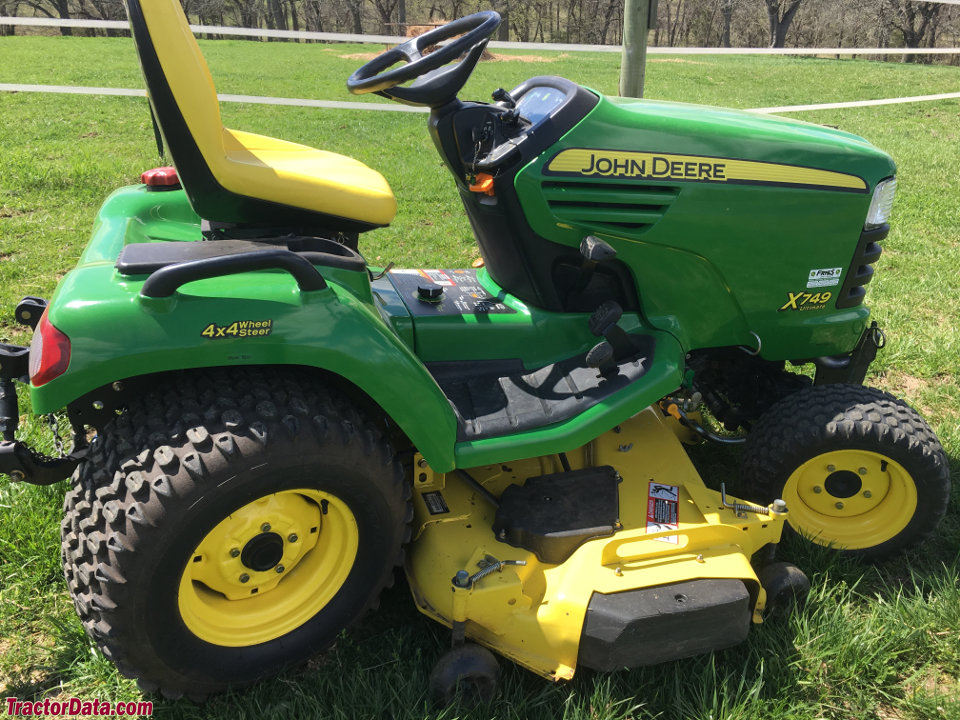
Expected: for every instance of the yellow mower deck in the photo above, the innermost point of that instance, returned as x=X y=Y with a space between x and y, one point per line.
x=534 y=614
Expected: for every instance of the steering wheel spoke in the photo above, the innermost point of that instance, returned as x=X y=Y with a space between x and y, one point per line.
x=410 y=51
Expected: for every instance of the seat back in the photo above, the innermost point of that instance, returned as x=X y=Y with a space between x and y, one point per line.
x=185 y=105
x=215 y=164
x=184 y=69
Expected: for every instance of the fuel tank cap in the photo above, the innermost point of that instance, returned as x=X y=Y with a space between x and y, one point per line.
x=429 y=292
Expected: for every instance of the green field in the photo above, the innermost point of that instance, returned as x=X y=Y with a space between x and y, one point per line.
x=873 y=642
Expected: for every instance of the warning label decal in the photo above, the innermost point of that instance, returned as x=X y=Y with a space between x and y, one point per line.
x=437 y=276
x=435 y=503
x=663 y=510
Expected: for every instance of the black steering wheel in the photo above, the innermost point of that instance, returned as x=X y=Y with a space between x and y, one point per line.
x=435 y=84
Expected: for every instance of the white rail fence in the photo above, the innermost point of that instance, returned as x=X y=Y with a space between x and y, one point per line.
x=394 y=39
x=389 y=39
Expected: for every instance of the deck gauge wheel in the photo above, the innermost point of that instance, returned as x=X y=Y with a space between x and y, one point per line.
x=468 y=674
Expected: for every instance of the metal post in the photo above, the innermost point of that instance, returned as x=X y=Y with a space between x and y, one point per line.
x=638 y=16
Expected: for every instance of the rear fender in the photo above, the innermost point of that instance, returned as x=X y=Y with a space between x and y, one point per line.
x=250 y=319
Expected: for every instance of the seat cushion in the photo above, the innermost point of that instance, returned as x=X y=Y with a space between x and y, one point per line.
x=291 y=174
x=235 y=177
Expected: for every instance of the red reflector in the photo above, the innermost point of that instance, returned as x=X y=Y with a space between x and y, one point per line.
x=49 y=352
x=161 y=177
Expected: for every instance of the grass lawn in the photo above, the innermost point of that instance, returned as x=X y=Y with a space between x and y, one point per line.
x=874 y=642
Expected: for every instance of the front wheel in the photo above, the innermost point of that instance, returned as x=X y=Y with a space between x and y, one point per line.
x=859 y=469
x=228 y=525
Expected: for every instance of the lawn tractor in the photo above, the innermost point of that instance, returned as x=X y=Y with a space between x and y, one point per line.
x=264 y=426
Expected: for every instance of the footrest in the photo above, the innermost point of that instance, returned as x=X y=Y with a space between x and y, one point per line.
x=495 y=404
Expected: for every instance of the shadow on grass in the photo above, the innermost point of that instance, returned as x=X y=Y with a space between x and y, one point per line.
x=381 y=670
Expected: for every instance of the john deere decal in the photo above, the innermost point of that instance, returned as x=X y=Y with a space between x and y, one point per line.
x=586 y=162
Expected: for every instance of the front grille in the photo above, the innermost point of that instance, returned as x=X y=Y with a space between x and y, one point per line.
x=623 y=208
x=860 y=271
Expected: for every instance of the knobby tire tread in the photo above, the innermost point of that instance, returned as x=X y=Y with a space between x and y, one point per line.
x=832 y=417
x=157 y=455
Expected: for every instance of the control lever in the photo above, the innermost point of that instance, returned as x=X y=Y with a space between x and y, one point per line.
x=593 y=250
x=507 y=100
x=502 y=96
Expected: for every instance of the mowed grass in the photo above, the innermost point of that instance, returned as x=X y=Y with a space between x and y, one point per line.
x=873 y=642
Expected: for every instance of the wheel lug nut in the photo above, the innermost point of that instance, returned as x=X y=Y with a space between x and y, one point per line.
x=235 y=552
x=867 y=494
x=862 y=471
x=817 y=489
x=265 y=527
x=831 y=468
x=244 y=578
x=280 y=568
x=292 y=537
x=839 y=506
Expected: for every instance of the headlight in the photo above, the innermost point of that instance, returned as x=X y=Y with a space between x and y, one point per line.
x=879 y=212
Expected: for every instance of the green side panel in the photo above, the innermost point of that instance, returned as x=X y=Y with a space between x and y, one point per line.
x=715 y=258
x=536 y=337
x=116 y=334
x=664 y=376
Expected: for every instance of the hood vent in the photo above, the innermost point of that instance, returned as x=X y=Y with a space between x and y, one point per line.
x=860 y=271
x=622 y=208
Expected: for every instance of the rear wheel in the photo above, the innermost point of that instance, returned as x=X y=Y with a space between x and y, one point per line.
x=229 y=525
x=859 y=469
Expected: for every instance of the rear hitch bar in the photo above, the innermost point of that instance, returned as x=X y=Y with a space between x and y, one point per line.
x=23 y=464
x=18 y=460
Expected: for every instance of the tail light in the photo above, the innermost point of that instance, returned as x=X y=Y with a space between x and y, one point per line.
x=49 y=352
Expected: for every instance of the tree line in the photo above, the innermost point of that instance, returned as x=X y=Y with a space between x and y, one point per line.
x=700 y=23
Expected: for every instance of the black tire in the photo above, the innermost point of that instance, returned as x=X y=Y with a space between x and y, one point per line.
x=215 y=447
x=787 y=587
x=467 y=674
x=860 y=470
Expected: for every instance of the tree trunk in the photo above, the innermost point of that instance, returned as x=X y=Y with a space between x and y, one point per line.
x=356 y=12
x=726 y=12
x=63 y=9
x=294 y=20
x=780 y=15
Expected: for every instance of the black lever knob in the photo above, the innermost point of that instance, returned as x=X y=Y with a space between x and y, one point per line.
x=502 y=96
x=594 y=249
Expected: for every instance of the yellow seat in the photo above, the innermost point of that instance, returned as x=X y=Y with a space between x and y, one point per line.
x=237 y=177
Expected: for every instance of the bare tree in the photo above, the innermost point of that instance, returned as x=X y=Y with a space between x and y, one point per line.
x=8 y=8
x=780 y=14
x=916 y=22
x=53 y=9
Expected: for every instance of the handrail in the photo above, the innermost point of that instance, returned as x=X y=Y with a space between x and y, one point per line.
x=165 y=281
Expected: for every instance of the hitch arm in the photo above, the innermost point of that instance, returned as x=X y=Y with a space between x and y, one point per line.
x=18 y=460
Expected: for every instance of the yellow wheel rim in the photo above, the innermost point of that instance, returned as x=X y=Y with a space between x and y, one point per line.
x=850 y=499
x=268 y=568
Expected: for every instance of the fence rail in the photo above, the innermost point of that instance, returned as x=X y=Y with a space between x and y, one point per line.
x=395 y=107
x=393 y=39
